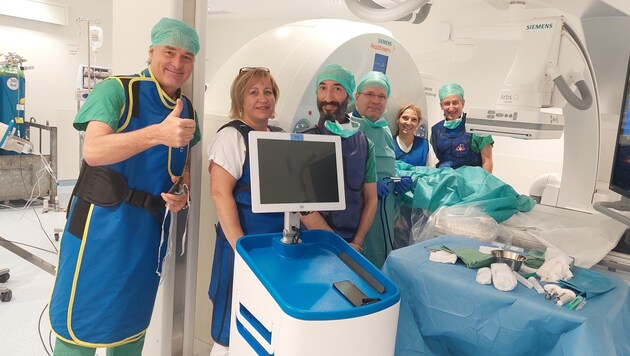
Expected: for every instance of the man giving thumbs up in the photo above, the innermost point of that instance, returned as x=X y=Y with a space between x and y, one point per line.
x=138 y=132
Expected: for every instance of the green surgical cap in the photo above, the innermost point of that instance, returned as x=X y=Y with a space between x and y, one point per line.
x=450 y=89
x=171 y=32
x=374 y=79
x=339 y=74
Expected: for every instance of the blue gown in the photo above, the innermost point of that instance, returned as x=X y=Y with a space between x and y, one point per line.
x=106 y=281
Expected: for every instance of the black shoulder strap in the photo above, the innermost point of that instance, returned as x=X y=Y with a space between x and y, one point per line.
x=243 y=129
x=135 y=93
x=189 y=104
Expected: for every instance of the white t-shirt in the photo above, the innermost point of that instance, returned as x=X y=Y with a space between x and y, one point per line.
x=227 y=149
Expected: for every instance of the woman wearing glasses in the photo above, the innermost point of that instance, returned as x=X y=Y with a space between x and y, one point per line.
x=254 y=93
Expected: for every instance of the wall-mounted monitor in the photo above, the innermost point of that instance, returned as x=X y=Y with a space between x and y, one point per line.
x=296 y=172
x=620 y=176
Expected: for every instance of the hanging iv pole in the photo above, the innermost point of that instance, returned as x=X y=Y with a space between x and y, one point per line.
x=90 y=72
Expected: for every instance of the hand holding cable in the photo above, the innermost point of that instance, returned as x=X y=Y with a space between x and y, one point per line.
x=176 y=199
x=404 y=185
x=382 y=189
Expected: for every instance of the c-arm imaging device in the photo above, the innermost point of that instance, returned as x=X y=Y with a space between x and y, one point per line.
x=529 y=105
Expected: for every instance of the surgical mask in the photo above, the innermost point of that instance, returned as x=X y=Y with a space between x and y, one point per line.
x=344 y=130
x=451 y=124
x=378 y=123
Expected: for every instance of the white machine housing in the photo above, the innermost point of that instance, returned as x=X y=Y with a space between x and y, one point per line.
x=296 y=52
x=528 y=107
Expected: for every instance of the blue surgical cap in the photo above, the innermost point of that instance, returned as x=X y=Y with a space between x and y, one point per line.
x=339 y=74
x=450 y=89
x=374 y=79
x=171 y=32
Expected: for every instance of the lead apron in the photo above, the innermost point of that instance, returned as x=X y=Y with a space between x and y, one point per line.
x=106 y=282
x=220 y=289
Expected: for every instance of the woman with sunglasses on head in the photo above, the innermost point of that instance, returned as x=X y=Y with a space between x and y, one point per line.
x=254 y=93
x=413 y=150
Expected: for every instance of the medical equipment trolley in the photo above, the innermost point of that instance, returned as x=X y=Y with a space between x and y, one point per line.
x=315 y=297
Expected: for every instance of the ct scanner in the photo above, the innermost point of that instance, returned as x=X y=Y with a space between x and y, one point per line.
x=295 y=52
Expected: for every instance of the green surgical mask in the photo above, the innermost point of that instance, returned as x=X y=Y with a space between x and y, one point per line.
x=451 y=124
x=344 y=130
x=378 y=123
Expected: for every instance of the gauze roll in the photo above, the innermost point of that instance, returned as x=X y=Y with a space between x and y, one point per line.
x=484 y=275
x=502 y=277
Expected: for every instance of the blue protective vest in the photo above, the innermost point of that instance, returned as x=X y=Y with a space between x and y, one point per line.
x=355 y=154
x=453 y=147
x=417 y=156
x=106 y=282
x=220 y=290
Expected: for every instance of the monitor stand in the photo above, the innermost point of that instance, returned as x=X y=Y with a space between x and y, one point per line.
x=291 y=230
x=612 y=209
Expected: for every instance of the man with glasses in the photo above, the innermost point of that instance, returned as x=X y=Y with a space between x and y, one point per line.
x=371 y=100
x=334 y=88
x=138 y=131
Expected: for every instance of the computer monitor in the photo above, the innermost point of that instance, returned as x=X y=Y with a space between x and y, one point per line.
x=620 y=176
x=293 y=172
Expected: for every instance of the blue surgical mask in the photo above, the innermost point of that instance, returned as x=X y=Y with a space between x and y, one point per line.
x=451 y=124
x=344 y=130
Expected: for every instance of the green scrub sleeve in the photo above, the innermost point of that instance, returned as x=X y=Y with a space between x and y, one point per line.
x=479 y=142
x=104 y=104
x=370 y=164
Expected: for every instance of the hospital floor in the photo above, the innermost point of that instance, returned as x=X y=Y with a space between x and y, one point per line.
x=24 y=324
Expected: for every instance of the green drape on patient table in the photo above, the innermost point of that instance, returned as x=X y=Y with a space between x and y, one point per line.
x=437 y=187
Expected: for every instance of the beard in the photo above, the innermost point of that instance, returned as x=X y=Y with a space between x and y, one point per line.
x=336 y=115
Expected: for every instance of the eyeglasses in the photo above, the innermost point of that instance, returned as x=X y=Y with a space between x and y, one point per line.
x=371 y=96
x=248 y=69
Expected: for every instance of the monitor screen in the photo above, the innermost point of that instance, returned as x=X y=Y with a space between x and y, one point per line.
x=295 y=172
x=620 y=176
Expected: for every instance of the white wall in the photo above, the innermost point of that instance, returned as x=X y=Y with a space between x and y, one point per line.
x=50 y=87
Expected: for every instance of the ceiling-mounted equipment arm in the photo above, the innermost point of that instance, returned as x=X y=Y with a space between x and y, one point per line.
x=371 y=11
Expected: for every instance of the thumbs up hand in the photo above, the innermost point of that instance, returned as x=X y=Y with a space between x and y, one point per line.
x=175 y=131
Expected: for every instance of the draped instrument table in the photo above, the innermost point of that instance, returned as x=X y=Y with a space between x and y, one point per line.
x=444 y=311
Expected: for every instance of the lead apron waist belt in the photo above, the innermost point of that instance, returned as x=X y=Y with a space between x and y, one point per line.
x=105 y=187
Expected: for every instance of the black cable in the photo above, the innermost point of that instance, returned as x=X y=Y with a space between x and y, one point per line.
x=44 y=230
x=391 y=243
x=296 y=236
x=30 y=200
x=39 y=330
x=50 y=339
x=381 y=209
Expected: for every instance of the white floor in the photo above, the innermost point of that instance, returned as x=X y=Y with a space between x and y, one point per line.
x=24 y=325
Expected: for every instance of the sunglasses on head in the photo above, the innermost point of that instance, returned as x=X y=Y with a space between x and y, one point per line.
x=248 y=69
